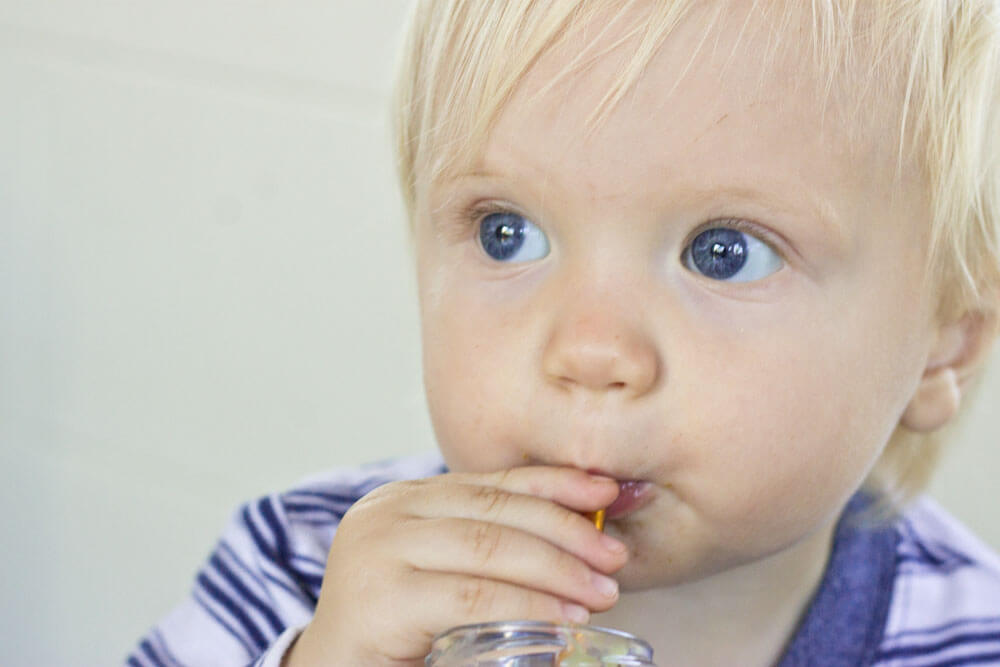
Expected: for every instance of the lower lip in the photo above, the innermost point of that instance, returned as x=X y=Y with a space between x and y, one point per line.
x=632 y=495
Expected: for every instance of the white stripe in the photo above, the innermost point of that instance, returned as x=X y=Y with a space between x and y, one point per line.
x=941 y=633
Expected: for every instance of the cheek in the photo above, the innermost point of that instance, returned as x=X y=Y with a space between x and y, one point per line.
x=796 y=421
x=782 y=440
x=470 y=362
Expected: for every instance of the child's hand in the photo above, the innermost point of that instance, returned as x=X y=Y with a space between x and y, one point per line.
x=412 y=559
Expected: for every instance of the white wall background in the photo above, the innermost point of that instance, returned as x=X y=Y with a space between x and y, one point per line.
x=205 y=294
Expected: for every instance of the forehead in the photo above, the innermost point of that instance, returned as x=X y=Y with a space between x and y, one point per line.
x=719 y=76
x=727 y=100
x=736 y=63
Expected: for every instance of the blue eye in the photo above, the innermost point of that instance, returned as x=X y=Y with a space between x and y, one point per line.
x=727 y=254
x=509 y=237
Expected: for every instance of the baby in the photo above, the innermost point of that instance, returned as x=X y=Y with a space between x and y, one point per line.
x=722 y=268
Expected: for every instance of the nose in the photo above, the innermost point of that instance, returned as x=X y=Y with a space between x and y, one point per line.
x=601 y=350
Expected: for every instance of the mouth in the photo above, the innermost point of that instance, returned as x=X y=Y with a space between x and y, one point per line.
x=633 y=495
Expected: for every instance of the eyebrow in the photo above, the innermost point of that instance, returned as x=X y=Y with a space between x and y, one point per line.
x=810 y=204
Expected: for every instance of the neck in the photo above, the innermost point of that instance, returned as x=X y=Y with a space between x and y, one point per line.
x=744 y=616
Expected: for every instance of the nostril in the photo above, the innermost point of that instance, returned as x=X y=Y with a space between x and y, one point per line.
x=616 y=385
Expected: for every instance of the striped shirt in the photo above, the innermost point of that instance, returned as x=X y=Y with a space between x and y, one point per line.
x=918 y=591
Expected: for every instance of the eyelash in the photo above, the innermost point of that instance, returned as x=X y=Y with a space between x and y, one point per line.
x=740 y=225
x=476 y=212
x=471 y=215
x=462 y=224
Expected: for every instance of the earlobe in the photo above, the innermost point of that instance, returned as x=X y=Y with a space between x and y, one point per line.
x=959 y=351
x=935 y=402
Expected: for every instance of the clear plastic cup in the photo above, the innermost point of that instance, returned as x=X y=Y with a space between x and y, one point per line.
x=537 y=644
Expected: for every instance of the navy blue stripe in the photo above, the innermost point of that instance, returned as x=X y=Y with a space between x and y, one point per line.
x=294 y=591
x=938 y=554
x=267 y=551
x=308 y=584
x=164 y=649
x=926 y=560
x=240 y=616
x=924 y=555
x=311 y=561
x=224 y=623
x=233 y=556
x=918 y=564
x=134 y=662
x=335 y=497
x=983 y=659
x=316 y=523
x=927 y=649
x=986 y=620
x=276 y=625
x=280 y=538
x=312 y=507
x=258 y=538
x=147 y=648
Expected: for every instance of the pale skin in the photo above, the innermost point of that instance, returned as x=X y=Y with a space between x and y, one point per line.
x=753 y=409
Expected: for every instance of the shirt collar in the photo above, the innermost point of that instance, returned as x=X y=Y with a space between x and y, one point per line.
x=845 y=621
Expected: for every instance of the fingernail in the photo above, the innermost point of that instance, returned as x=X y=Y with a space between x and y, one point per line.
x=575 y=613
x=606 y=586
x=612 y=545
x=602 y=479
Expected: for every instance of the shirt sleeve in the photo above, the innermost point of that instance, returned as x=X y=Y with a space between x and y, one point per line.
x=251 y=598
x=259 y=587
x=273 y=656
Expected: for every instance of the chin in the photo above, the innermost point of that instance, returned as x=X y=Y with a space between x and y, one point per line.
x=669 y=559
x=642 y=575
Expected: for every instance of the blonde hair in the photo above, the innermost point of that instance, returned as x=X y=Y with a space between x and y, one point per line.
x=463 y=60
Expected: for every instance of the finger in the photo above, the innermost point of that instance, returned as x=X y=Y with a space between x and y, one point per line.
x=501 y=553
x=570 y=487
x=553 y=523
x=449 y=600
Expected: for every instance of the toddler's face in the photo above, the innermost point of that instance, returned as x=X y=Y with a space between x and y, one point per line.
x=715 y=293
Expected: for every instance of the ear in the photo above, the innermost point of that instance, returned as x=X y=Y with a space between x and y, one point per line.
x=961 y=348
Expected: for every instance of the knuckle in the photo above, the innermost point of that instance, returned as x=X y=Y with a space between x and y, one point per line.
x=576 y=572
x=378 y=514
x=492 y=499
x=568 y=520
x=503 y=476
x=499 y=478
x=381 y=494
x=475 y=596
x=484 y=540
x=543 y=607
